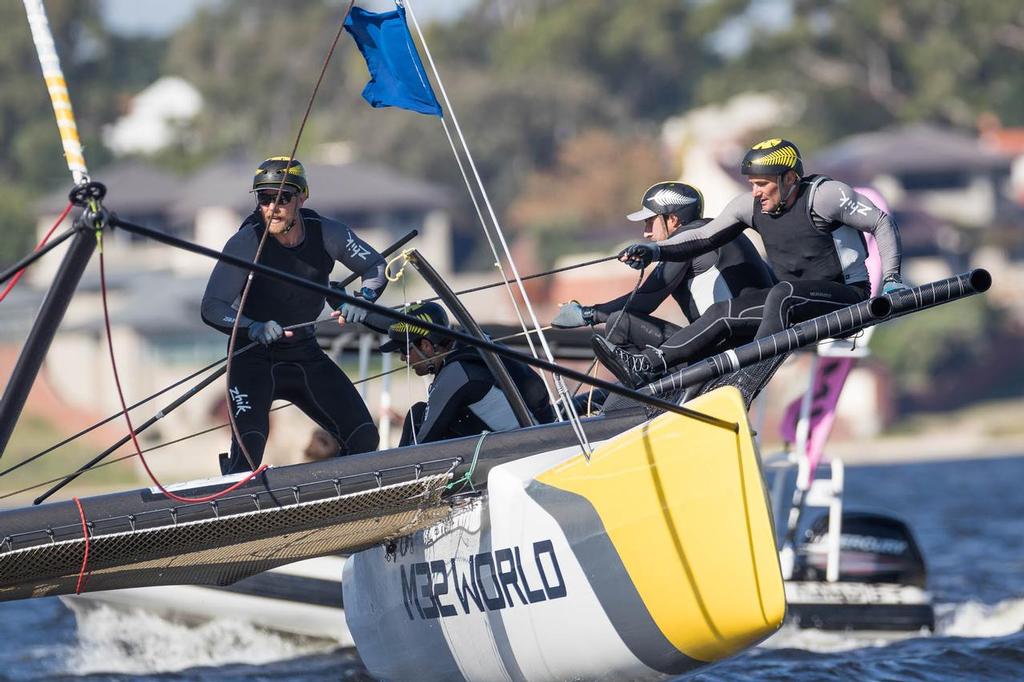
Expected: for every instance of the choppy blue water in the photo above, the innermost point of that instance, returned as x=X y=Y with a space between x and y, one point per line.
x=968 y=517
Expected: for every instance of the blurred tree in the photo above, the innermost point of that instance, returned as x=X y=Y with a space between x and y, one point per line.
x=33 y=156
x=862 y=65
x=951 y=355
x=599 y=178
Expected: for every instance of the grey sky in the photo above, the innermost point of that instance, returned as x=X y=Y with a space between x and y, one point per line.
x=160 y=17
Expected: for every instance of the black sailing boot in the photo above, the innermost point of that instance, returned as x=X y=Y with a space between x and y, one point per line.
x=632 y=369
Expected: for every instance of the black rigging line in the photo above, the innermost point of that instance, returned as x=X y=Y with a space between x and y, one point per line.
x=443 y=331
x=37 y=254
x=405 y=239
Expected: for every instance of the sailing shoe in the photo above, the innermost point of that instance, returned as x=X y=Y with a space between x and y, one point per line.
x=632 y=369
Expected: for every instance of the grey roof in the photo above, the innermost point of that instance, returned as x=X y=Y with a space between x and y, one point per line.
x=353 y=186
x=132 y=187
x=909 y=149
x=137 y=187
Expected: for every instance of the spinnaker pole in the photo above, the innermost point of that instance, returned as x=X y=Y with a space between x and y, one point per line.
x=836 y=324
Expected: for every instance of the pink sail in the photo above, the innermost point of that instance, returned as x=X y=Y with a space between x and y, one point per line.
x=830 y=375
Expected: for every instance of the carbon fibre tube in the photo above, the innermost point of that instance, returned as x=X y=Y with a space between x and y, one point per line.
x=840 y=323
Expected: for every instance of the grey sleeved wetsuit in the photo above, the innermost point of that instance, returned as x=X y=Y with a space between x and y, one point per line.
x=816 y=250
x=465 y=400
x=718 y=275
x=832 y=208
x=293 y=368
x=326 y=241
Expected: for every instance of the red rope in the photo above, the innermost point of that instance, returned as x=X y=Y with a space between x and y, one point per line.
x=14 y=280
x=85 y=559
x=128 y=419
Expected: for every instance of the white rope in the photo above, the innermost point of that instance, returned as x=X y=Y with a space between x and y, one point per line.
x=563 y=391
x=58 y=89
x=490 y=241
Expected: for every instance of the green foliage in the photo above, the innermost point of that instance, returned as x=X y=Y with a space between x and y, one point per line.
x=948 y=339
x=866 y=64
x=98 y=77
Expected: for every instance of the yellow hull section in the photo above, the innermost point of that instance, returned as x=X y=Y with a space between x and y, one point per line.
x=684 y=506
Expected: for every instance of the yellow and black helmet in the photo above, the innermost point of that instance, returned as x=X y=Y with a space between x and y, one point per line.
x=401 y=333
x=772 y=157
x=271 y=172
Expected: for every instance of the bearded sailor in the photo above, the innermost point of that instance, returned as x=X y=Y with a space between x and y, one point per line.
x=290 y=365
x=812 y=228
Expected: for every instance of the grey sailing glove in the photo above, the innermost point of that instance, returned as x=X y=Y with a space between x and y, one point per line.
x=572 y=314
x=354 y=314
x=265 y=333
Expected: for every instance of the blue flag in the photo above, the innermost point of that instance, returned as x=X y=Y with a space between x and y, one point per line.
x=397 y=78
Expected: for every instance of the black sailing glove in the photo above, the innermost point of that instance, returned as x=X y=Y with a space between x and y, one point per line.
x=639 y=256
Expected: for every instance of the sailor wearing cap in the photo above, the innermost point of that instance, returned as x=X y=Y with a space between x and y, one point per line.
x=719 y=275
x=463 y=399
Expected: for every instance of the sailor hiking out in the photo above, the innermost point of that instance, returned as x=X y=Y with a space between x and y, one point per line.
x=812 y=228
x=464 y=398
x=289 y=365
x=696 y=284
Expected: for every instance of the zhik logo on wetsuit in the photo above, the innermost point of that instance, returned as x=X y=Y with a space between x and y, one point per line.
x=355 y=249
x=489 y=581
x=240 y=399
x=851 y=205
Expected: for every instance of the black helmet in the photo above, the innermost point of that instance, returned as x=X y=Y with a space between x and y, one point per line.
x=772 y=157
x=665 y=198
x=275 y=169
x=401 y=333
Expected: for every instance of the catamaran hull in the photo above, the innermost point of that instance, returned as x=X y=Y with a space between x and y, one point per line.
x=653 y=560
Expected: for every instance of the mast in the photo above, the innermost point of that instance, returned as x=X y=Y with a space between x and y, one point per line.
x=82 y=245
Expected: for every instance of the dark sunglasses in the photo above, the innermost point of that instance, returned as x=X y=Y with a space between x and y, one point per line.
x=268 y=198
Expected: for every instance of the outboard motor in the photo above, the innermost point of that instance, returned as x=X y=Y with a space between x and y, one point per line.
x=873 y=549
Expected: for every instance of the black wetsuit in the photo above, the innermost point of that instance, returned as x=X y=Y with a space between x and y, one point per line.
x=721 y=274
x=816 y=249
x=293 y=369
x=465 y=400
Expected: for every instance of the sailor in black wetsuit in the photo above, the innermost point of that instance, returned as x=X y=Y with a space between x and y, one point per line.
x=812 y=228
x=718 y=275
x=464 y=399
x=289 y=364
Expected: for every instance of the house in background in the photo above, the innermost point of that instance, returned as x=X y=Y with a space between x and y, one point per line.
x=155 y=290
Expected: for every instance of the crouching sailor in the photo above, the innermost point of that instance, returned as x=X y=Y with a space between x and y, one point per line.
x=696 y=285
x=289 y=365
x=464 y=399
